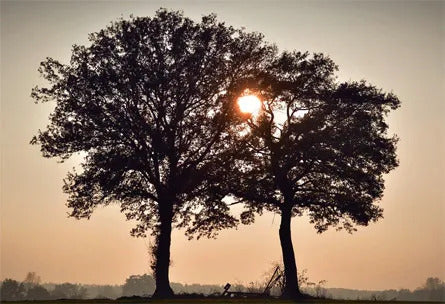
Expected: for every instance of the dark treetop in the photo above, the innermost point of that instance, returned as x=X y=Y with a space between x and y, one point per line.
x=151 y=103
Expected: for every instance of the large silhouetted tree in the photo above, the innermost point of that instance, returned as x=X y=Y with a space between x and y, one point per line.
x=150 y=103
x=317 y=147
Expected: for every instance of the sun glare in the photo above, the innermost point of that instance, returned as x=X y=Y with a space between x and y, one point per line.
x=249 y=104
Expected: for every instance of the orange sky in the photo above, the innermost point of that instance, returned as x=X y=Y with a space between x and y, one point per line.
x=398 y=46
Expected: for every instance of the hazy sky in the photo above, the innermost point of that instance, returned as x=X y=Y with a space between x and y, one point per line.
x=398 y=46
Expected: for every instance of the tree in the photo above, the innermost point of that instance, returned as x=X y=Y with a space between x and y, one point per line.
x=31 y=279
x=37 y=292
x=105 y=291
x=432 y=290
x=11 y=290
x=139 y=285
x=150 y=102
x=318 y=147
x=34 y=291
x=433 y=284
x=69 y=291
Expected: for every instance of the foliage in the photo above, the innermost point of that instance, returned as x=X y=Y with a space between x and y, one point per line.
x=432 y=290
x=131 y=101
x=433 y=284
x=69 y=291
x=32 y=279
x=37 y=292
x=139 y=285
x=30 y=289
x=11 y=290
x=318 y=146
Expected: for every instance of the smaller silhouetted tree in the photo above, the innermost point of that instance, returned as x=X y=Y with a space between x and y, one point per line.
x=317 y=147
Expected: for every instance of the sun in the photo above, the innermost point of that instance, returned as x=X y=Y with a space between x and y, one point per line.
x=249 y=104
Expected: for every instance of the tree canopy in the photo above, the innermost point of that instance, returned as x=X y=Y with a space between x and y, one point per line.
x=150 y=102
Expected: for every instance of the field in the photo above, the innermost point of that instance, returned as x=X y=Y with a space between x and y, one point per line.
x=218 y=301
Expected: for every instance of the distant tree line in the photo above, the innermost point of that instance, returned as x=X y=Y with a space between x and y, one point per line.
x=144 y=285
x=432 y=290
x=32 y=289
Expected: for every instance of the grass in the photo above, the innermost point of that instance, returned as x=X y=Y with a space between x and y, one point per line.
x=214 y=300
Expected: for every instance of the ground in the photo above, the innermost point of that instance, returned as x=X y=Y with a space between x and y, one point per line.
x=219 y=301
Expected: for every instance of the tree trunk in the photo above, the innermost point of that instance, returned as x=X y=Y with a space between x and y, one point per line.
x=291 y=289
x=162 y=254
